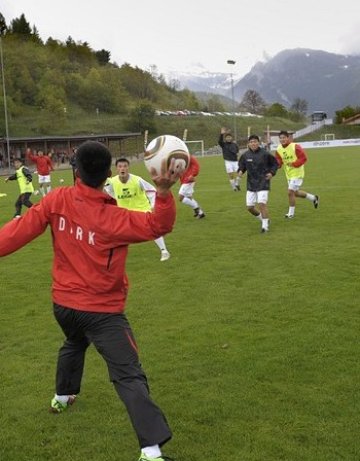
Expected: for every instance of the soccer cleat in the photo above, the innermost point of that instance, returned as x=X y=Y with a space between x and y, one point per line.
x=59 y=407
x=316 y=201
x=196 y=212
x=165 y=255
x=289 y=216
x=201 y=215
x=237 y=187
x=264 y=229
x=160 y=458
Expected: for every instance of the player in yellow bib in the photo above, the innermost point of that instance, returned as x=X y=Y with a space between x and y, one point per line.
x=24 y=178
x=134 y=193
x=292 y=156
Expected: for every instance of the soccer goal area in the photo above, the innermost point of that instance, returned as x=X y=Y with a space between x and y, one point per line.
x=196 y=147
x=328 y=137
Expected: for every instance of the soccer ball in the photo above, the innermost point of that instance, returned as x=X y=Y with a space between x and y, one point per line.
x=61 y=181
x=166 y=147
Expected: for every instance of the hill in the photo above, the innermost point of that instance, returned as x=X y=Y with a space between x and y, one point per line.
x=326 y=81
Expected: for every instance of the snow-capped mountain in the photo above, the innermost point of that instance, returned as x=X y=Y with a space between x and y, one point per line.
x=327 y=81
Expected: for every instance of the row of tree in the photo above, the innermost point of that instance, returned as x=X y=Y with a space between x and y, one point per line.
x=53 y=76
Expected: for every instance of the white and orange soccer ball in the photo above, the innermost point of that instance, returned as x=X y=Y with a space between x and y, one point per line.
x=166 y=147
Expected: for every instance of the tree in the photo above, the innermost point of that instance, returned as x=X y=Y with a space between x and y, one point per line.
x=174 y=84
x=345 y=113
x=35 y=37
x=142 y=118
x=51 y=94
x=20 y=26
x=253 y=102
x=299 y=106
x=103 y=57
x=3 y=26
x=276 y=110
x=80 y=53
x=214 y=103
x=139 y=83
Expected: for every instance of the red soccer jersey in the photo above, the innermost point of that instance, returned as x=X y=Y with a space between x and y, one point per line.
x=90 y=239
x=192 y=171
x=43 y=164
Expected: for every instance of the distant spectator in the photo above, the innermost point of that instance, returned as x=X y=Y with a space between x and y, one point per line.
x=72 y=162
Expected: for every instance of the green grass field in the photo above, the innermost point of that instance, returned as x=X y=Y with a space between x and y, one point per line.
x=250 y=341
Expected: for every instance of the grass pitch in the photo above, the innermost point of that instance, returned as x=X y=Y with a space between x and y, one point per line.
x=250 y=341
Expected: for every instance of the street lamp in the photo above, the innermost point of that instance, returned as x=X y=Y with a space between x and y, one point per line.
x=231 y=62
x=5 y=104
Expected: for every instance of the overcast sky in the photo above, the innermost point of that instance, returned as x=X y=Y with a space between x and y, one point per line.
x=195 y=35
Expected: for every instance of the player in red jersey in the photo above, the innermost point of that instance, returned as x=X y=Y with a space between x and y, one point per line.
x=43 y=166
x=186 y=190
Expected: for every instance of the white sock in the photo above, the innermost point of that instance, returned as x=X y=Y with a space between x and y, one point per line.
x=48 y=189
x=237 y=181
x=232 y=183
x=152 y=452
x=190 y=202
x=42 y=191
x=62 y=398
x=310 y=197
x=160 y=242
x=265 y=223
x=291 y=211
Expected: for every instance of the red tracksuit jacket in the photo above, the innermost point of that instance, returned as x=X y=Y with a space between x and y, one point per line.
x=90 y=237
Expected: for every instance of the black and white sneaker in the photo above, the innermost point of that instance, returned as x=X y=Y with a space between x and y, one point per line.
x=289 y=216
x=201 y=215
x=196 y=212
x=264 y=230
x=316 y=201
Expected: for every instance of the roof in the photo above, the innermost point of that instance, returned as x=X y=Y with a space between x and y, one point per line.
x=83 y=137
x=351 y=119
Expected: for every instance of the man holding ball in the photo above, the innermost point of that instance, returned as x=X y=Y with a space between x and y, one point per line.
x=90 y=236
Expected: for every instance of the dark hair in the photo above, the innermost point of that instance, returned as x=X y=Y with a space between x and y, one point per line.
x=284 y=132
x=254 y=136
x=93 y=162
x=122 y=159
x=19 y=160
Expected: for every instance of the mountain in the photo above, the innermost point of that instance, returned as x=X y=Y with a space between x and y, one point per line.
x=206 y=82
x=327 y=81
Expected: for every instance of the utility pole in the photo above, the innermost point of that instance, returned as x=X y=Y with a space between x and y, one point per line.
x=231 y=62
x=4 y=94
